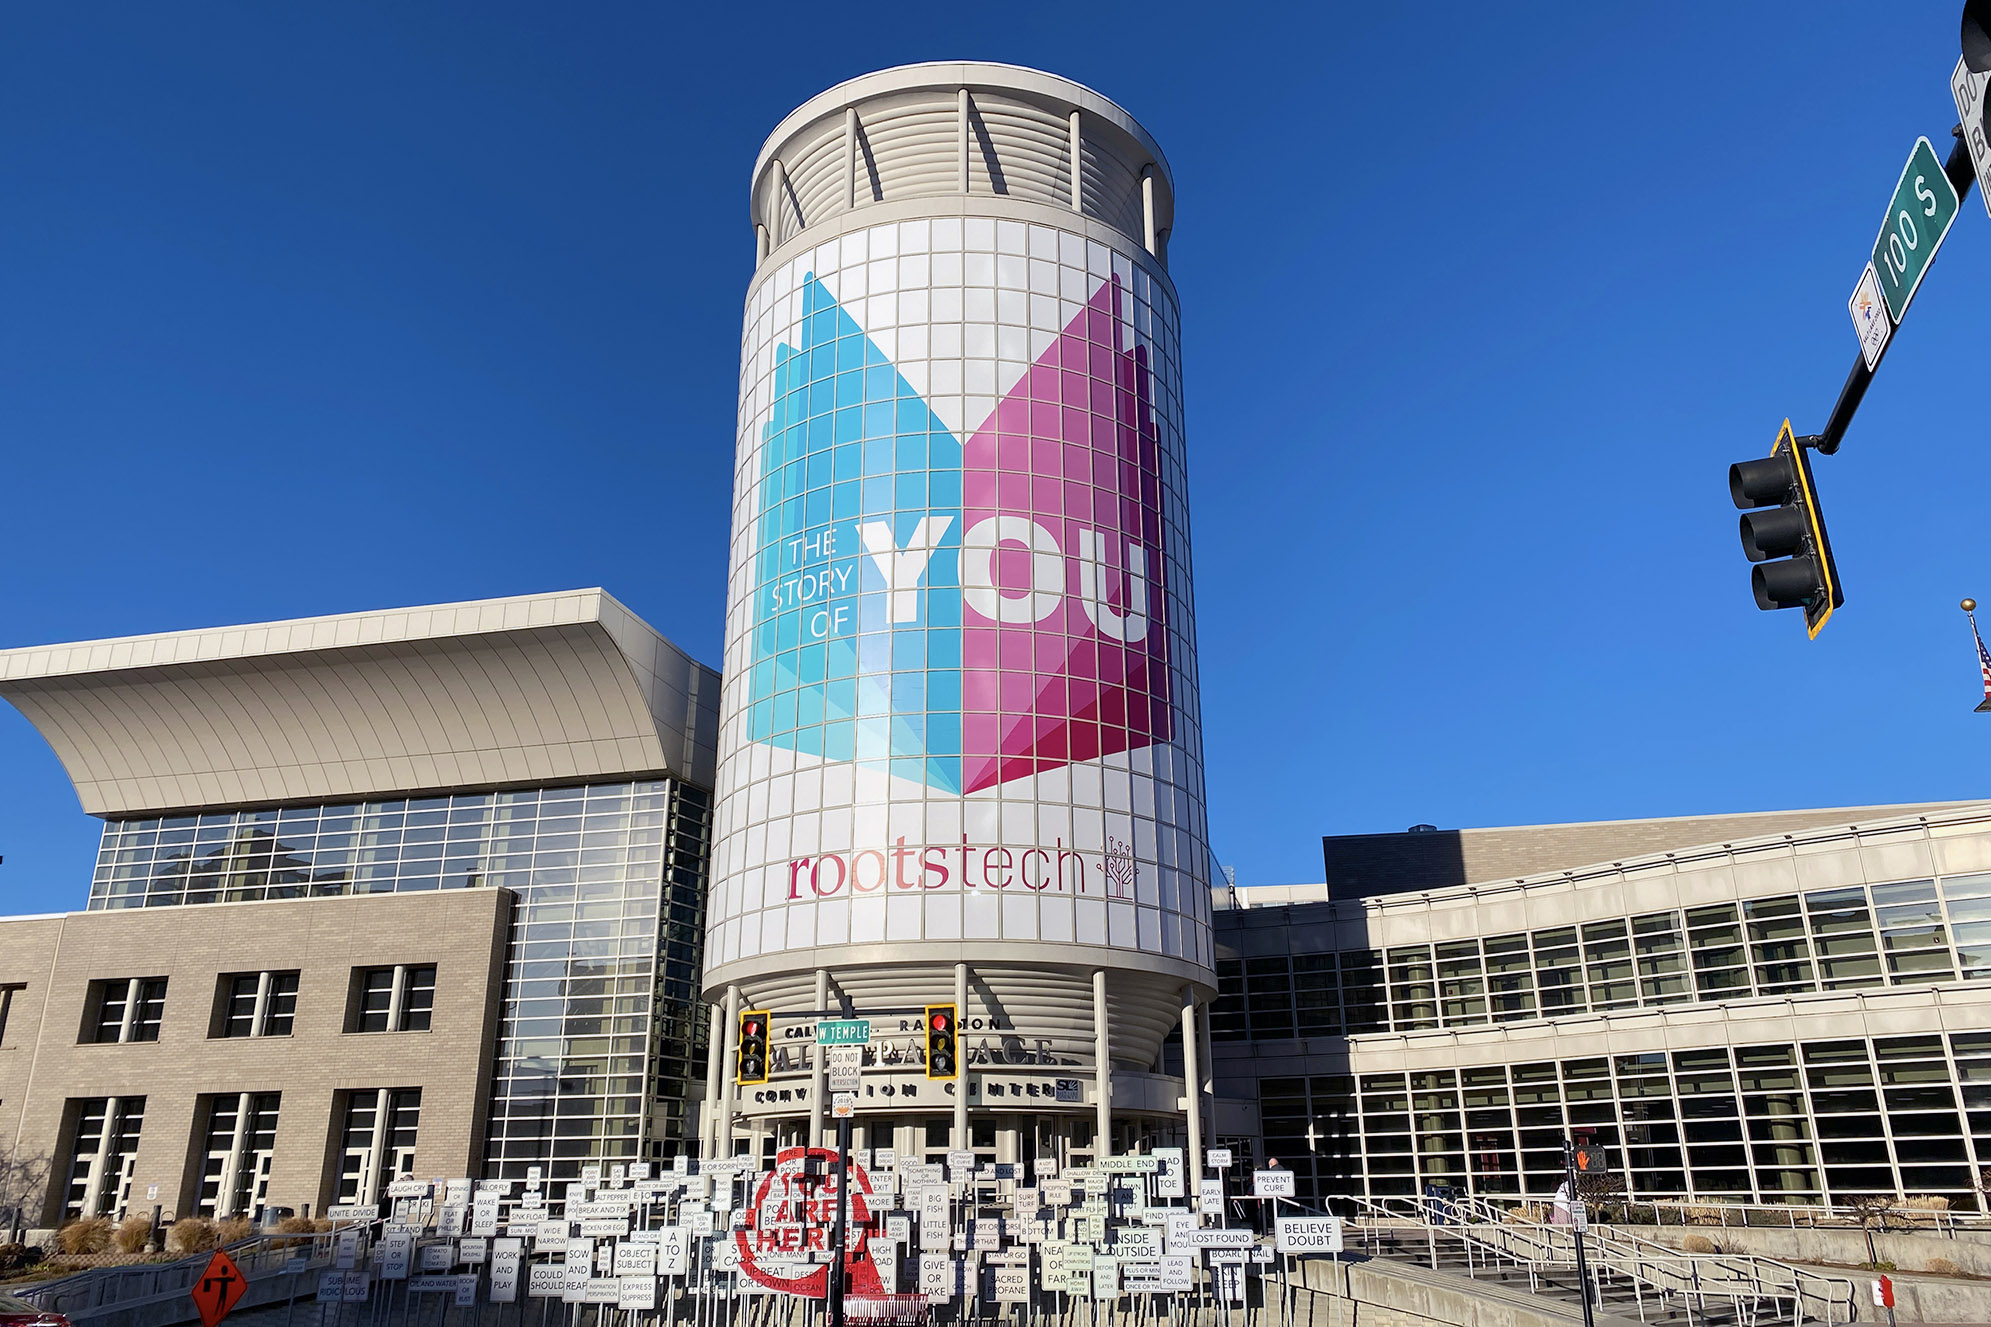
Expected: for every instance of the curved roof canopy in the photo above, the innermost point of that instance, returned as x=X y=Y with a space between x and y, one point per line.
x=535 y=689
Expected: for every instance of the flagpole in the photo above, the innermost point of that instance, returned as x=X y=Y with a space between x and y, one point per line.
x=1969 y=607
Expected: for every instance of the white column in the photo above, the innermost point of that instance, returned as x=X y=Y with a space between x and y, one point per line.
x=729 y=1089
x=960 y=1014
x=1102 y=1073
x=395 y=996
x=231 y=1168
x=93 y=1184
x=262 y=1004
x=369 y=1180
x=1078 y=145
x=850 y=157
x=715 y=1052
x=1148 y=207
x=131 y=989
x=961 y=157
x=760 y=254
x=1192 y=1084
x=816 y=1064
x=779 y=202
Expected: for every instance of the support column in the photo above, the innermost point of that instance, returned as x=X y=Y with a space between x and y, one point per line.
x=262 y=1009
x=961 y=985
x=816 y=1060
x=1192 y=1083
x=231 y=1169
x=961 y=155
x=715 y=1054
x=760 y=255
x=780 y=203
x=729 y=1090
x=1078 y=145
x=369 y=1191
x=396 y=995
x=849 y=162
x=1148 y=208
x=93 y=1183
x=1102 y=1073
x=130 y=1019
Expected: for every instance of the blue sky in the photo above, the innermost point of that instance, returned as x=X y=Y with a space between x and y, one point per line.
x=317 y=310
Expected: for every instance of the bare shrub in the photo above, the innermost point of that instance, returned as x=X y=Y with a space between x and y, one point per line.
x=234 y=1228
x=1696 y=1244
x=132 y=1234
x=1944 y=1267
x=190 y=1234
x=88 y=1235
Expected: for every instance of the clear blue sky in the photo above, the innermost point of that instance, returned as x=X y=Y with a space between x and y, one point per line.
x=315 y=309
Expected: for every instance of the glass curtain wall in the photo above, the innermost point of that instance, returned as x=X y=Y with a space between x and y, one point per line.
x=600 y=1034
x=1860 y=936
x=1817 y=1121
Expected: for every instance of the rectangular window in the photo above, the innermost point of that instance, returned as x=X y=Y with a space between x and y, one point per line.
x=124 y=1009
x=241 y=1147
x=255 y=1004
x=397 y=999
x=378 y=1140
x=102 y=1155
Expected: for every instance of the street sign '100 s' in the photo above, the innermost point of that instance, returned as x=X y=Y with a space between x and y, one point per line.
x=1924 y=205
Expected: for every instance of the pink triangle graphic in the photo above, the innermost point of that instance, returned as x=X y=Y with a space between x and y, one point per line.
x=1071 y=456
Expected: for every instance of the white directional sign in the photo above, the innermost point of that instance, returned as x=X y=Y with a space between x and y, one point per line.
x=1969 y=90
x=845 y=1065
x=1309 y=1234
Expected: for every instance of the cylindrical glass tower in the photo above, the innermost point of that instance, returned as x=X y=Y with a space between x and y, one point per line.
x=960 y=746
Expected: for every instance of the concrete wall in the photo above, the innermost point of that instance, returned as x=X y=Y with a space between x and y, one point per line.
x=43 y=1066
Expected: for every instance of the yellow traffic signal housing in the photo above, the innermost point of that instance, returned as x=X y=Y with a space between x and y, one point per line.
x=943 y=1041
x=750 y=1065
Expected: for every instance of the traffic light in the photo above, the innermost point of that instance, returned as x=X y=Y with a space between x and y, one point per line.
x=943 y=1042
x=1788 y=542
x=1977 y=36
x=751 y=1066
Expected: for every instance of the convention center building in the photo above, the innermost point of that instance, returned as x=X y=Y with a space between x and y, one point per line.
x=490 y=889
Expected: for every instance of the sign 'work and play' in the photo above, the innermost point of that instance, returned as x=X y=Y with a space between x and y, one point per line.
x=1925 y=203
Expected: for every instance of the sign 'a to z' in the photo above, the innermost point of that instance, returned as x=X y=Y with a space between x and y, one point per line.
x=1918 y=217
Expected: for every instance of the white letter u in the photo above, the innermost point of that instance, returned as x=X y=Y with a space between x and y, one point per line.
x=1130 y=627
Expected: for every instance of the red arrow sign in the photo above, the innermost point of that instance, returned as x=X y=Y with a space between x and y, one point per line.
x=218 y=1289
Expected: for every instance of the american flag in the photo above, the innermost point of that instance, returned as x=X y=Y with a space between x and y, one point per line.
x=1983 y=661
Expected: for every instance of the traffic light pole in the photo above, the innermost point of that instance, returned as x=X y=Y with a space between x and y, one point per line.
x=1958 y=170
x=840 y=1236
x=1578 y=1220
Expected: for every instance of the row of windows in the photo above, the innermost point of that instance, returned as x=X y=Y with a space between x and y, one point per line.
x=1824 y=1121
x=261 y=1004
x=1853 y=937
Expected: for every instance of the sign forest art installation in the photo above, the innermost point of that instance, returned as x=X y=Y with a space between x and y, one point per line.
x=703 y=1240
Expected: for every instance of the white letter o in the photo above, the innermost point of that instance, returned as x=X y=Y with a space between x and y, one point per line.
x=1047 y=570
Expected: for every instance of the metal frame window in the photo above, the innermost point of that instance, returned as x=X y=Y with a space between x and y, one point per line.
x=102 y=1154
x=125 y=1009
x=397 y=999
x=256 y=1004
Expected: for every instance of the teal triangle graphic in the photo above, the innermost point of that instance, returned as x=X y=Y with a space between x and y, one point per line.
x=843 y=667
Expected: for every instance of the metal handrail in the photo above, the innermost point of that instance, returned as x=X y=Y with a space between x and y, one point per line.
x=83 y=1293
x=1788 y=1215
x=1510 y=1234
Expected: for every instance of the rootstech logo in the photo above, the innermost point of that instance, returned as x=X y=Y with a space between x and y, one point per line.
x=960 y=614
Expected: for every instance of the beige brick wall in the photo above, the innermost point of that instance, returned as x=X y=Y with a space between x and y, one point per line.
x=42 y=1066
